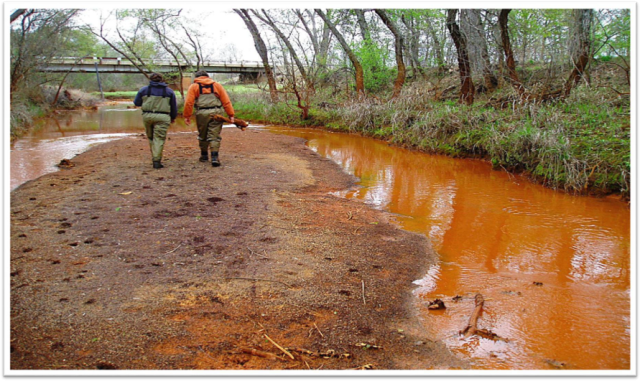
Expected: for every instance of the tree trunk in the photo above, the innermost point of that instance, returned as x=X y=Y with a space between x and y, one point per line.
x=397 y=85
x=362 y=22
x=437 y=46
x=350 y=53
x=467 y=90
x=581 y=54
x=475 y=21
x=503 y=20
x=413 y=46
x=261 y=48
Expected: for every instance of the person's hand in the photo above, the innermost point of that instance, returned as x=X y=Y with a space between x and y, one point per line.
x=187 y=121
x=232 y=120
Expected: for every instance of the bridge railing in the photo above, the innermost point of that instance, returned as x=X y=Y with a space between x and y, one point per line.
x=124 y=61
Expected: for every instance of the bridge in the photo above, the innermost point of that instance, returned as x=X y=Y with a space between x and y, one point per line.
x=248 y=69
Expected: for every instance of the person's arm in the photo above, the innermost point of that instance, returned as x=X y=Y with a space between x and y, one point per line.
x=189 y=102
x=221 y=93
x=174 y=107
x=138 y=100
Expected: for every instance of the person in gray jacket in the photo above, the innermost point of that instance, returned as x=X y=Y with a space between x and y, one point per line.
x=159 y=110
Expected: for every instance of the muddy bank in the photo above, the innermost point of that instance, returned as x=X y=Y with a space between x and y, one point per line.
x=115 y=265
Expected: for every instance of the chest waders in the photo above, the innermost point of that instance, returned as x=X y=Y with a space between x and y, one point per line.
x=156 y=117
x=209 y=131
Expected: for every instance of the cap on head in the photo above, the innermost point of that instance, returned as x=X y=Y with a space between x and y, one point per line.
x=155 y=77
x=201 y=73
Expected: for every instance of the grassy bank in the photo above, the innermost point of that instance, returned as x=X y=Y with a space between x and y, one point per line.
x=32 y=103
x=580 y=144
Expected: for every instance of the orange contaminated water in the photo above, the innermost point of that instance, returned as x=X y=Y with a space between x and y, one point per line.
x=553 y=268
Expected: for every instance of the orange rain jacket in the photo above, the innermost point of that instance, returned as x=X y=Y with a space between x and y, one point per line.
x=194 y=92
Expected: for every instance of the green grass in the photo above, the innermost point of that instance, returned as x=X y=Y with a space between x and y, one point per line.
x=117 y=94
x=242 y=89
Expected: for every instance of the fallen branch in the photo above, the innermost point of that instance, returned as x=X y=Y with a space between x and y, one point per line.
x=279 y=347
x=255 y=352
x=303 y=351
x=314 y=324
x=259 y=279
x=177 y=247
x=241 y=124
x=472 y=327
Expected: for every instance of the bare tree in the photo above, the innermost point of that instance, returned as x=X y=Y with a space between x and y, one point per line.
x=437 y=43
x=35 y=41
x=352 y=57
x=320 y=39
x=127 y=52
x=269 y=21
x=261 y=48
x=414 y=43
x=467 y=90
x=161 y=24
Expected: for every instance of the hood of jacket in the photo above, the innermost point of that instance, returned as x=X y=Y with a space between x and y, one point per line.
x=157 y=84
x=204 y=80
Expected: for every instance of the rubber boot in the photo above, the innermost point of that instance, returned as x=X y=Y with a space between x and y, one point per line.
x=204 y=156
x=214 y=159
x=157 y=165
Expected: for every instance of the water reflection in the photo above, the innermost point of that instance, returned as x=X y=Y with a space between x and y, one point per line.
x=72 y=132
x=497 y=234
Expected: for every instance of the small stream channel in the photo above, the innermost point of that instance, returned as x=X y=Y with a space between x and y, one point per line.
x=554 y=269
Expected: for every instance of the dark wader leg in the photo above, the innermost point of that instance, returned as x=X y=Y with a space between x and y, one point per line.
x=156 y=126
x=209 y=134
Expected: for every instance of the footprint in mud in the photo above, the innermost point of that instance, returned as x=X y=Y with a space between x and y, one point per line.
x=54 y=261
x=88 y=241
x=61 y=231
x=27 y=249
x=22 y=235
x=215 y=199
x=65 y=225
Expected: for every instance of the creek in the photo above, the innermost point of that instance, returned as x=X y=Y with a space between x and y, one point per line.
x=554 y=268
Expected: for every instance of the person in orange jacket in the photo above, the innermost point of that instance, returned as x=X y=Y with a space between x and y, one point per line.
x=209 y=98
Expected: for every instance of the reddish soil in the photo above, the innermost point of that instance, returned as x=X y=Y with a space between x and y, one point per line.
x=116 y=265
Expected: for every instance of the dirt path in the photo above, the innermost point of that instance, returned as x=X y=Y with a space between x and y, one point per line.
x=115 y=265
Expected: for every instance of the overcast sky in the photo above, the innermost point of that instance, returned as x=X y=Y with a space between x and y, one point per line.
x=221 y=28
